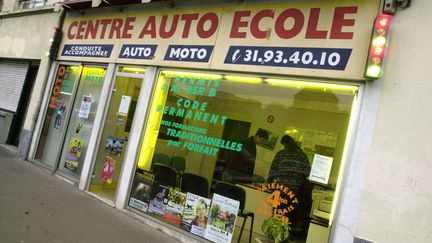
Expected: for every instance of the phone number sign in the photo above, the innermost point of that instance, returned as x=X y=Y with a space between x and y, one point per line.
x=316 y=58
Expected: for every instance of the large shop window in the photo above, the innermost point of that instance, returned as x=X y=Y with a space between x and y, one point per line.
x=279 y=141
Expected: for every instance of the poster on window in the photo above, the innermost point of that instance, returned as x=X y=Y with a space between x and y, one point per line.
x=195 y=215
x=222 y=219
x=60 y=112
x=175 y=207
x=108 y=169
x=141 y=190
x=114 y=146
x=321 y=168
x=74 y=154
x=159 y=200
x=124 y=105
x=84 y=110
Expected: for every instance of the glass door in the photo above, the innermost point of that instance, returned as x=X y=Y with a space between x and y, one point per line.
x=81 y=120
x=69 y=118
x=59 y=107
x=115 y=134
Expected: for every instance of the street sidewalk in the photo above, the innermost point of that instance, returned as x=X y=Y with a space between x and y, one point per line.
x=36 y=206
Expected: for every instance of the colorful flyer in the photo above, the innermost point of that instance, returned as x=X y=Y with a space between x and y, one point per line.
x=141 y=190
x=195 y=215
x=60 y=112
x=74 y=154
x=108 y=169
x=221 y=222
x=175 y=207
x=159 y=199
x=114 y=146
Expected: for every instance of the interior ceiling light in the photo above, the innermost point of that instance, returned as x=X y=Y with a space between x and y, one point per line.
x=134 y=69
x=244 y=79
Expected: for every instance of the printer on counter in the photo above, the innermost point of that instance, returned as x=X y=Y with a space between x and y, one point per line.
x=322 y=204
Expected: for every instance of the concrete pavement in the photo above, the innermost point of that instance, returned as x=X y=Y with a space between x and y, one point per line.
x=36 y=206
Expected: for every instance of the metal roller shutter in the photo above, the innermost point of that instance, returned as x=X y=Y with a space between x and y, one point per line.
x=12 y=77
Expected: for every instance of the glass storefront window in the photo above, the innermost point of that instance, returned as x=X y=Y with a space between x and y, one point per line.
x=281 y=141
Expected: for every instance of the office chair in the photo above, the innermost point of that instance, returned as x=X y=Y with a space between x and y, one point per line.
x=194 y=184
x=165 y=175
x=178 y=163
x=237 y=193
x=161 y=159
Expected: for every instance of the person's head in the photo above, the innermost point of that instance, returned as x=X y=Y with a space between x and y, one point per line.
x=261 y=136
x=201 y=208
x=288 y=142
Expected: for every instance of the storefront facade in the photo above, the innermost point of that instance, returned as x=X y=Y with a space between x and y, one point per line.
x=144 y=100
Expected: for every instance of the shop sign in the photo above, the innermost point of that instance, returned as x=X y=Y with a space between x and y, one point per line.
x=310 y=58
x=188 y=53
x=57 y=87
x=299 y=38
x=138 y=51
x=87 y=50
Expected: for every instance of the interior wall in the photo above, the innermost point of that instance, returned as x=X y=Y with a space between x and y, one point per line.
x=396 y=173
x=301 y=119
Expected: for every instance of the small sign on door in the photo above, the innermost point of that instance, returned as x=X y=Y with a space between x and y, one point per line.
x=85 y=106
x=124 y=105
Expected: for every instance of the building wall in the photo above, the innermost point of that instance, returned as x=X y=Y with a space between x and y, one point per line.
x=14 y=5
x=396 y=172
x=9 y=5
x=24 y=36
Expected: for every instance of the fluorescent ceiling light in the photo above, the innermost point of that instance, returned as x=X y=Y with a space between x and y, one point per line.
x=243 y=79
x=188 y=74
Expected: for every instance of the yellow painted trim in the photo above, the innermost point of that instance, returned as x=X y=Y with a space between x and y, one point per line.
x=104 y=186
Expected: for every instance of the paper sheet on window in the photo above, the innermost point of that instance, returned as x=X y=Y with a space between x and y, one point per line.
x=321 y=167
x=124 y=105
x=85 y=106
